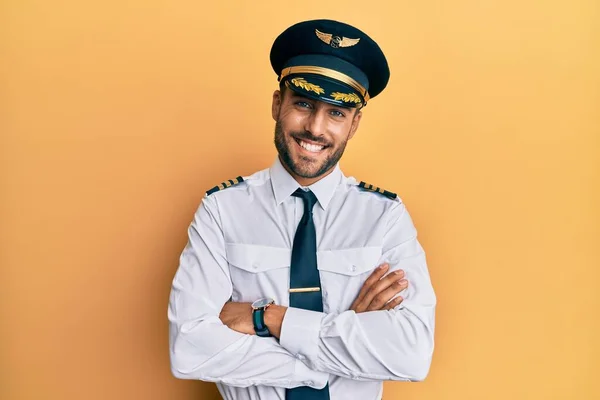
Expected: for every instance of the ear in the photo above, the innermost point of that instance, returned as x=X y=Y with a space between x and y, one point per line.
x=355 y=123
x=276 y=105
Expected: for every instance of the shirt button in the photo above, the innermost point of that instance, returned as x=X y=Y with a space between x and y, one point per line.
x=353 y=268
x=308 y=383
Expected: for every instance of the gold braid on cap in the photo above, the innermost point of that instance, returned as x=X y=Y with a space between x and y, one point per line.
x=330 y=73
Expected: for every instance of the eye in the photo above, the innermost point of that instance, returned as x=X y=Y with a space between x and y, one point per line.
x=303 y=104
x=337 y=113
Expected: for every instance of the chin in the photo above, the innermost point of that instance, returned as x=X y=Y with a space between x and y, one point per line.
x=306 y=171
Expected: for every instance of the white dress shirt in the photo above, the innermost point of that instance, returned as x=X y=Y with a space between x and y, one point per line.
x=240 y=245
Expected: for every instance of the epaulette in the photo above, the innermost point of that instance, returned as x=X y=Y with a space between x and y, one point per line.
x=372 y=188
x=225 y=185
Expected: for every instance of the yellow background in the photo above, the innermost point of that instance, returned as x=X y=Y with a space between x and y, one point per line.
x=116 y=116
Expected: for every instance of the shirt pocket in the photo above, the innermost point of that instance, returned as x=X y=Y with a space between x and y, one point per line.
x=343 y=273
x=258 y=271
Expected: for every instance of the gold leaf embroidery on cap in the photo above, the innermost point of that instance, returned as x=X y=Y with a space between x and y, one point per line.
x=346 y=97
x=302 y=83
x=336 y=41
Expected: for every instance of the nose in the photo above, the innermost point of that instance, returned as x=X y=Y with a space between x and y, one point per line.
x=316 y=123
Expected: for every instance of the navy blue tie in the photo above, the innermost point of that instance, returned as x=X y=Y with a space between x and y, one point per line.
x=304 y=277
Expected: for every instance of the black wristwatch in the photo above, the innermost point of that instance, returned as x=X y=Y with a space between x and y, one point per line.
x=258 y=316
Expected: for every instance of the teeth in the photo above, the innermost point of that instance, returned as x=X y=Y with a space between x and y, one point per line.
x=311 y=147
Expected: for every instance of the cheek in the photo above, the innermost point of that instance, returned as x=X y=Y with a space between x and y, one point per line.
x=292 y=121
x=340 y=132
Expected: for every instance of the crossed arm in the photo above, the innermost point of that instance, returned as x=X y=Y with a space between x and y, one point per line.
x=377 y=294
x=212 y=340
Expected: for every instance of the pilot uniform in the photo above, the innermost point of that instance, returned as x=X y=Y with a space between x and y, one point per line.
x=242 y=245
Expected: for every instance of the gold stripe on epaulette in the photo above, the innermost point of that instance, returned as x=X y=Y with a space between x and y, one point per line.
x=377 y=189
x=225 y=185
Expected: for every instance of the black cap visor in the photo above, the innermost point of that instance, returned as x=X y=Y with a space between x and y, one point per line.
x=321 y=88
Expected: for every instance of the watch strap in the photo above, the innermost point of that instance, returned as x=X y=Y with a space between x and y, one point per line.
x=258 y=319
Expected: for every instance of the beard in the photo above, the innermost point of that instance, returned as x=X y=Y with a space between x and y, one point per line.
x=305 y=167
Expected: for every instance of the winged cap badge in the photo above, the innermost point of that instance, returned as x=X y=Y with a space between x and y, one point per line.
x=336 y=41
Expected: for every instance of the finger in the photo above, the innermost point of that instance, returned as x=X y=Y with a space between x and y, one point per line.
x=386 y=295
x=383 y=284
x=394 y=303
x=375 y=277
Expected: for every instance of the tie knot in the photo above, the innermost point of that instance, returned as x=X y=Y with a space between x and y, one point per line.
x=309 y=198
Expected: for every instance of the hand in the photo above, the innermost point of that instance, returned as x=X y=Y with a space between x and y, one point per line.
x=377 y=292
x=238 y=316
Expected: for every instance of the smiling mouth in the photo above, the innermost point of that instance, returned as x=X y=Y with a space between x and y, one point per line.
x=312 y=148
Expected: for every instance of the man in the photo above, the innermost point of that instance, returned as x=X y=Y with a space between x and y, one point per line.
x=293 y=284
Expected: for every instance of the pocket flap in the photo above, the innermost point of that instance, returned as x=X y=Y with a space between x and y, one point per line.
x=349 y=261
x=256 y=258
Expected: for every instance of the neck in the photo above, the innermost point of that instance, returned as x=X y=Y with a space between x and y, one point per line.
x=306 y=181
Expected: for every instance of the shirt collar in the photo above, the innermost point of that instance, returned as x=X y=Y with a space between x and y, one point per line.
x=284 y=184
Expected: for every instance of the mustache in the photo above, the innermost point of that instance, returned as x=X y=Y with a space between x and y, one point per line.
x=308 y=136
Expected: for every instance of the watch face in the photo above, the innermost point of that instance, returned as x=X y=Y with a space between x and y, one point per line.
x=260 y=303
